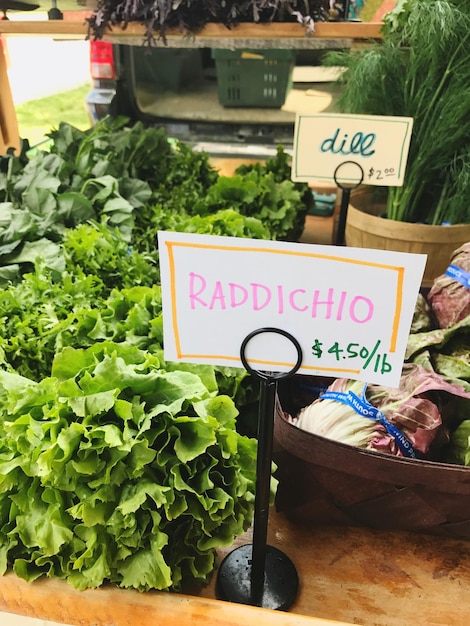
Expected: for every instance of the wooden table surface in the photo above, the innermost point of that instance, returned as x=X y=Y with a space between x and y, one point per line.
x=347 y=575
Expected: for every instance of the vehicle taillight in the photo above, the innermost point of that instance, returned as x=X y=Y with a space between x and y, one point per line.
x=102 y=60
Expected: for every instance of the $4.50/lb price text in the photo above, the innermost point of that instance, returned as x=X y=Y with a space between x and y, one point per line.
x=370 y=357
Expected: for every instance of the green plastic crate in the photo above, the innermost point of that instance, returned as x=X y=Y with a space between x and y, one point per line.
x=253 y=78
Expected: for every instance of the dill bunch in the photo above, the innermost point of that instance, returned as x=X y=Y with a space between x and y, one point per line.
x=420 y=69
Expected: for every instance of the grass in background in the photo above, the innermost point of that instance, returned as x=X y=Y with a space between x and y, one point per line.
x=38 y=117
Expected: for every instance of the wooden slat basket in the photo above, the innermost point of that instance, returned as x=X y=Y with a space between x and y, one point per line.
x=325 y=482
x=365 y=228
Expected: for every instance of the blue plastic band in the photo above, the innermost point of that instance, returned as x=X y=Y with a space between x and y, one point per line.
x=458 y=274
x=366 y=409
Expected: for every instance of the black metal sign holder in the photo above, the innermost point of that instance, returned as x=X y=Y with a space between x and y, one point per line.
x=345 y=199
x=259 y=574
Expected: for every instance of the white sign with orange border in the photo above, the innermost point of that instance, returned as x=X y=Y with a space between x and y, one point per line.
x=350 y=309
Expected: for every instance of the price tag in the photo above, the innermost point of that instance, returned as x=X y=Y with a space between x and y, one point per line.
x=329 y=145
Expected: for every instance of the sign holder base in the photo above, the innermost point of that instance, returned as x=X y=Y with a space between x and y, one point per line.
x=256 y=573
x=280 y=580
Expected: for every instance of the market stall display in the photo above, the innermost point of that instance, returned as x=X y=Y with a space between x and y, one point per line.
x=124 y=314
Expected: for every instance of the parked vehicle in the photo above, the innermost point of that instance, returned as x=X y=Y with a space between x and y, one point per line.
x=181 y=90
x=226 y=102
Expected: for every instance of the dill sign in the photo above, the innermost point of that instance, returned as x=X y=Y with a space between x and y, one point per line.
x=377 y=145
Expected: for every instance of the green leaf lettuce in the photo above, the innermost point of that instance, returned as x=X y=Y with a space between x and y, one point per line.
x=114 y=469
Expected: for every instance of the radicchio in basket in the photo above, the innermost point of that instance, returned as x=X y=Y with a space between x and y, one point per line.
x=408 y=421
x=449 y=296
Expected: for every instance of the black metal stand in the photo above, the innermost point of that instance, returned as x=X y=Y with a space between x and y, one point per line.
x=259 y=574
x=345 y=199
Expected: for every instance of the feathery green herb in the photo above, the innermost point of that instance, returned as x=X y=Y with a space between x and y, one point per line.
x=420 y=69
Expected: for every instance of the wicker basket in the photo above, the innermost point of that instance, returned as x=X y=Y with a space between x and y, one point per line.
x=325 y=482
x=366 y=229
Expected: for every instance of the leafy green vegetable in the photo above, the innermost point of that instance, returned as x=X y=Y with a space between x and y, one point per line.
x=135 y=153
x=280 y=168
x=437 y=338
x=114 y=469
x=46 y=196
x=458 y=450
x=276 y=204
x=97 y=250
x=42 y=251
x=51 y=308
x=40 y=316
x=223 y=222
x=34 y=312
x=184 y=183
x=137 y=181
x=137 y=465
